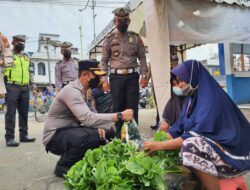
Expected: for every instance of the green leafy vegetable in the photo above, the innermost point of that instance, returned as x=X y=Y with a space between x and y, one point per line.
x=116 y=166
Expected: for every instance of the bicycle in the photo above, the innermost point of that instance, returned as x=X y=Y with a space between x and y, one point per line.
x=41 y=110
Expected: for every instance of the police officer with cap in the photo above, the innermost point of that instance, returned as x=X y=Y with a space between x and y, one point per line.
x=66 y=69
x=18 y=77
x=120 y=52
x=73 y=126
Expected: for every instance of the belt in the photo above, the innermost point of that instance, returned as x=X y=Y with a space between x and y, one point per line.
x=67 y=82
x=124 y=71
x=18 y=83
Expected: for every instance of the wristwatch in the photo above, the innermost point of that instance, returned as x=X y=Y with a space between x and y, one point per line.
x=119 y=116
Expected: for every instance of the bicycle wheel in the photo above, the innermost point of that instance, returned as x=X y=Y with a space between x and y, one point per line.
x=40 y=113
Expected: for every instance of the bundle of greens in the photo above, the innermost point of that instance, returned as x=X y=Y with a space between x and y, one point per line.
x=116 y=166
x=168 y=159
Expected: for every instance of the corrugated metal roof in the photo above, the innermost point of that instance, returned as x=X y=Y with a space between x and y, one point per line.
x=239 y=2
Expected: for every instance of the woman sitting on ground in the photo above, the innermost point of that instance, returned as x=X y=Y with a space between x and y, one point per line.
x=211 y=132
x=173 y=107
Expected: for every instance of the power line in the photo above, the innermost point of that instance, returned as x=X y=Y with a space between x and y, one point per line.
x=63 y=2
x=84 y=7
x=49 y=5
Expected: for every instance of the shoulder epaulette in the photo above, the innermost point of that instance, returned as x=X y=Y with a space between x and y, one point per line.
x=110 y=34
x=133 y=33
x=26 y=56
x=58 y=62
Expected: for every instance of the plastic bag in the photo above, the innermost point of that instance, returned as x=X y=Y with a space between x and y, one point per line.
x=130 y=133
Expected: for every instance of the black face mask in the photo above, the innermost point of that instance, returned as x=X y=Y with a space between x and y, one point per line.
x=67 y=54
x=123 y=26
x=19 y=47
x=93 y=83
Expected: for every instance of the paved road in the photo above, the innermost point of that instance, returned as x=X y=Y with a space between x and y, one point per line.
x=29 y=167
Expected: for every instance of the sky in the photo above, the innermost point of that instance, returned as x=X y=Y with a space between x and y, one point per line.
x=64 y=18
x=34 y=18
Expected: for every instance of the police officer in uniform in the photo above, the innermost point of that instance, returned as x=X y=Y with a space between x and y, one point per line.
x=120 y=52
x=6 y=59
x=73 y=126
x=18 y=77
x=66 y=69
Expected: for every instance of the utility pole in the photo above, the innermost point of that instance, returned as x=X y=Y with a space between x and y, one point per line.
x=94 y=15
x=81 y=37
x=47 y=48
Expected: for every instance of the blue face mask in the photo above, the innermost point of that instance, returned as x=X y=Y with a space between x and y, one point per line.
x=178 y=91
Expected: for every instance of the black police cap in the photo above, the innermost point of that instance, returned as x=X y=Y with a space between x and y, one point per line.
x=90 y=65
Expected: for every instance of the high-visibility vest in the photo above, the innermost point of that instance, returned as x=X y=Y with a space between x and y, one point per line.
x=19 y=73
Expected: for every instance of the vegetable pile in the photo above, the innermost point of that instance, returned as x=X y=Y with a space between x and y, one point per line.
x=119 y=166
x=168 y=159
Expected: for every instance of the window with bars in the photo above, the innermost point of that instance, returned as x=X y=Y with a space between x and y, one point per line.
x=41 y=69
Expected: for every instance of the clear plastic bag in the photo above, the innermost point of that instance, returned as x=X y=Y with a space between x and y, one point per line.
x=130 y=133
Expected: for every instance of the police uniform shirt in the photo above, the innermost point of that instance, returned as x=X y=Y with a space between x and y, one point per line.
x=65 y=71
x=121 y=52
x=72 y=107
x=2 y=46
x=5 y=50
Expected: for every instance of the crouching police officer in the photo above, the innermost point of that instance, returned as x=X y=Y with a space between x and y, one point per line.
x=73 y=126
x=18 y=77
x=66 y=69
x=120 y=51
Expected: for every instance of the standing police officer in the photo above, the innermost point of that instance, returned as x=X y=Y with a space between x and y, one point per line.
x=66 y=70
x=18 y=78
x=121 y=50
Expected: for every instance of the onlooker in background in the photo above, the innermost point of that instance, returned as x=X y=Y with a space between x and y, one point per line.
x=18 y=79
x=174 y=56
x=66 y=69
x=120 y=52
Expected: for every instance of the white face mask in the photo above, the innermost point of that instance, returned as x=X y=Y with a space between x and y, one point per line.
x=178 y=91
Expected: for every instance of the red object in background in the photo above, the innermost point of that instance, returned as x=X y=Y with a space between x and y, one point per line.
x=233 y=183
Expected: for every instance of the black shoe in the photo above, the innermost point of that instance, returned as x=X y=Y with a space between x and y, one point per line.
x=60 y=170
x=154 y=127
x=11 y=143
x=27 y=139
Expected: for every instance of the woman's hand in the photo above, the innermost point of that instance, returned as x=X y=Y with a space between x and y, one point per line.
x=164 y=126
x=151 y=146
